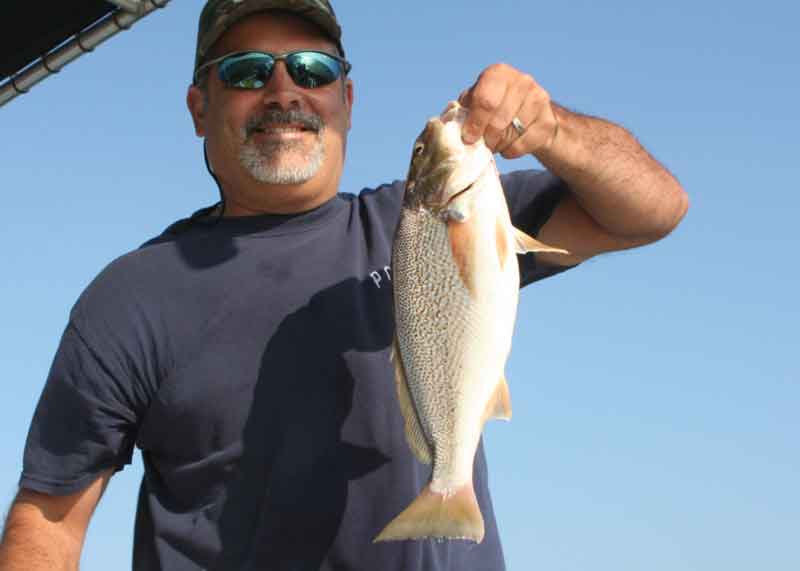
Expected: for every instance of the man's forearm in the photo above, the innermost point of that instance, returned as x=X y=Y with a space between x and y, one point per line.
x=32 y=544
x=622 y=187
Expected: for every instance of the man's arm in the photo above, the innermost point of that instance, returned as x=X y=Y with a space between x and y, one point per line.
x=46 y=532
x=621 y=197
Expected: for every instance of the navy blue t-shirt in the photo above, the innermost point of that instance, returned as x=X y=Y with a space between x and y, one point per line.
x=248 y=360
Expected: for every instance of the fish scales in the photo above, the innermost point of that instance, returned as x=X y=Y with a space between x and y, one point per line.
x=456 y=282
x=434 y=304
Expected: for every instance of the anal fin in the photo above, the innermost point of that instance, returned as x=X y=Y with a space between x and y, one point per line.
x=499 y=405
x=414 y=434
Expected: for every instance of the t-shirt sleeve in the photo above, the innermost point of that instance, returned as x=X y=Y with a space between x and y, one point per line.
x=532 y=196
x=81 y=426
x=95 y=395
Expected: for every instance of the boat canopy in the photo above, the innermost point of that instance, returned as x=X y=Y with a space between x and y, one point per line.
x=40 y=37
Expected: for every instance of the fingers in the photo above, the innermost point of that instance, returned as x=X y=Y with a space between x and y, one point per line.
x=500 y=132
x=483 y=99
x=500 y=94
x=536 y=115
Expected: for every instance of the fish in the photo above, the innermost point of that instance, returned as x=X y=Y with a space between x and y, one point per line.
x=456 y=288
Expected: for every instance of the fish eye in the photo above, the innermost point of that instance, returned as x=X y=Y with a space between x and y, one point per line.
x=418 y=149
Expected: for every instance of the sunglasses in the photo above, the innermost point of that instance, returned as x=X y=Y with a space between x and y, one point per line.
x=252 y=70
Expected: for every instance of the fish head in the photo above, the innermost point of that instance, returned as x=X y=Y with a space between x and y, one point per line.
x=442 y=166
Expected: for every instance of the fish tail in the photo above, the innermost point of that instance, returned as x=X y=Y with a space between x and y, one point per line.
x=452 y=516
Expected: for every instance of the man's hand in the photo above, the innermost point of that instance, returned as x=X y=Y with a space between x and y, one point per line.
x=620 y=196
x=500 y=94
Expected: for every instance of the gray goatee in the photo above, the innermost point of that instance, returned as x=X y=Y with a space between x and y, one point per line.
x=282 y=162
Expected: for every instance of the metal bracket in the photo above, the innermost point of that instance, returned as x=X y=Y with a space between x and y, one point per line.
x=130 y=6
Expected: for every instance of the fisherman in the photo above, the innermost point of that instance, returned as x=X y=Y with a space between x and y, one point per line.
x=245 y=350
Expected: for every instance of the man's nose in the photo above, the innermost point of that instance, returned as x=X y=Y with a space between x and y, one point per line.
x=280 y=90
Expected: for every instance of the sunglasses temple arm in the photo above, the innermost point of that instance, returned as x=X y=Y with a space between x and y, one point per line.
x=205 y=66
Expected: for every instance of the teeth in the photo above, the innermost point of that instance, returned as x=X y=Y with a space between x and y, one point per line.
x=282 y=130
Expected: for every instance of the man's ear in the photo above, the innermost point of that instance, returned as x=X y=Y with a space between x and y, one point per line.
x=349 y=97
x=197 y=104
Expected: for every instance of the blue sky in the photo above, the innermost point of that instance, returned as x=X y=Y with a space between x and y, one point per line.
x=655 y=391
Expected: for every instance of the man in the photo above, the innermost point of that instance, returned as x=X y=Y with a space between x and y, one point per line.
x=244 y=351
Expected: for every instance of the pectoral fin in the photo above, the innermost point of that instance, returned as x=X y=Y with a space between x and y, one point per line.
x=463 y=236
x=525 y=244
x=502 y=242
x=414 y=434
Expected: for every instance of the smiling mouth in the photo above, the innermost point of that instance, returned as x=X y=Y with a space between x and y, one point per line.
x=271 y=129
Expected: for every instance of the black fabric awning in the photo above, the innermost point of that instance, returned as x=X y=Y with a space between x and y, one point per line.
x=31 y=28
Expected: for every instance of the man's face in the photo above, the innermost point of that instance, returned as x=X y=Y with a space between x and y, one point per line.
x=279 y=148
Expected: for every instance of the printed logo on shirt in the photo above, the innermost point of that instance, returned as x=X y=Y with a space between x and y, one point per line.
x=381 y=277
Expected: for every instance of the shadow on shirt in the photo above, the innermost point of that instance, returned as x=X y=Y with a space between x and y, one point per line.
x=287 y=499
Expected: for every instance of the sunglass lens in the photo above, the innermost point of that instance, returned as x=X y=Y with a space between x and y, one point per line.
x=246 y=71
x=313 y=69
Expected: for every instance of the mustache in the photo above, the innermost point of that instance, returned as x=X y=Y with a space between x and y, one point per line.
x=277 y=118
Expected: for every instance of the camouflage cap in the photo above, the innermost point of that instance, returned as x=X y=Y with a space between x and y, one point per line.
x=219 y=15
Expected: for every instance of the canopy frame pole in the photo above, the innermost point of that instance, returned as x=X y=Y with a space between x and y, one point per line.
x=83 y=42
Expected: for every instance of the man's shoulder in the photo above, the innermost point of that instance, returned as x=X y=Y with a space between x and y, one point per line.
x=384 y=189
x=187 y=243
x=120 y=280
x=155 y=254
x=389 y=194
x=151 y=267
x=378 y=204
x=183 y=227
